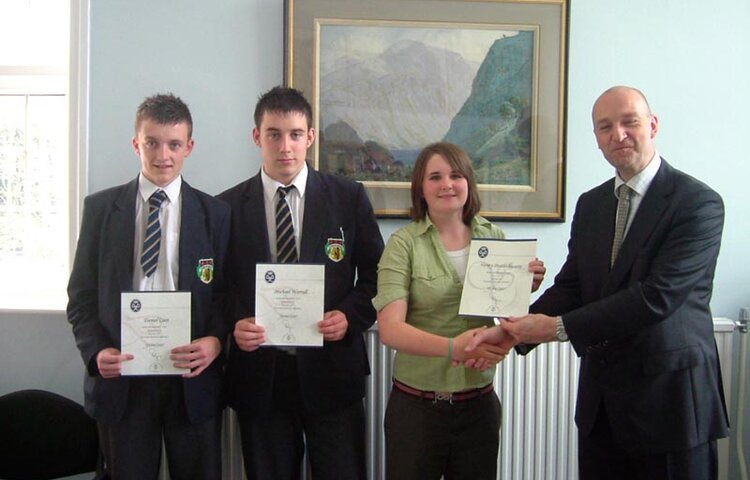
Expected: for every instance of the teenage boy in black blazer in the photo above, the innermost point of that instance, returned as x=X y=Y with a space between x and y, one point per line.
x=278 y=394
x=135 y=413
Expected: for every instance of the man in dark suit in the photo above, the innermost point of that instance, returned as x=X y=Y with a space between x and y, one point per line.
x=135 y=413
x=281 y=394
x=636 y=310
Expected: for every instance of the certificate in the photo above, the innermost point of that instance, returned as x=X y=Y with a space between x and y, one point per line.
x=289 y=302
x=498 y=281
x=151 y=325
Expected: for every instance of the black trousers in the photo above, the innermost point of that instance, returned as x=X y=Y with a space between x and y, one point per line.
x=425 y=440
x=599 y=457
x=274 y=442
x=156 y=410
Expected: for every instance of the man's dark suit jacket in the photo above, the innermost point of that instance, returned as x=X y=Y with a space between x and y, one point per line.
x=103 y=268
x=331 y=377
x=644 y=329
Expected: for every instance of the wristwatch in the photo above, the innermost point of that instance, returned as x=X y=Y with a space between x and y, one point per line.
x=560 y=334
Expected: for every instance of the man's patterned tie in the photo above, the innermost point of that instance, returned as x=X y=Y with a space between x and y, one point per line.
x=623 y=209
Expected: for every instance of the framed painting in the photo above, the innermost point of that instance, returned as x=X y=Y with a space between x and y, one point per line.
x=388 y=77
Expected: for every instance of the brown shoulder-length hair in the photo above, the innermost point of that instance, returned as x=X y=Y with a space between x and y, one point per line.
x=459 y=162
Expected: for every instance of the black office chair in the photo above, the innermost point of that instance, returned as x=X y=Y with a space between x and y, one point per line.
x=44 y=436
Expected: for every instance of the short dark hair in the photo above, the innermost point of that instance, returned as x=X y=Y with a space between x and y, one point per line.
x=164 y=109
x=282 y=100
x=460 y=162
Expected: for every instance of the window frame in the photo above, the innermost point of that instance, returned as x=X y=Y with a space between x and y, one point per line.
x=37 y=80
x=78 y=102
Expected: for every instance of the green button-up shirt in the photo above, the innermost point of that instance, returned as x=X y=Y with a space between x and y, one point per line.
x=415 y=267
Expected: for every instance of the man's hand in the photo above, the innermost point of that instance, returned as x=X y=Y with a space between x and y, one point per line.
x=534 y=328
x=488 y=336
x=333 y=326
x=109 y=362
x=493 y=335
x=248 y=335
x=197 y=356
x=537 y=267
x=486 y=353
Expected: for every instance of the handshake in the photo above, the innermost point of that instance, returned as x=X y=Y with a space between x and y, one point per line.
x=483 y=348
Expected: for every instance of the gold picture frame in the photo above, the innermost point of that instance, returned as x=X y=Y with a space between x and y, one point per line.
x=387 y=77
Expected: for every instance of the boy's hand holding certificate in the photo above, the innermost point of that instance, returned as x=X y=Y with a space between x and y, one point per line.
x=498 y=281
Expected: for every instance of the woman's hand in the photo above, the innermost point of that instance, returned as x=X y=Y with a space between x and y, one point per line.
x=537 y=268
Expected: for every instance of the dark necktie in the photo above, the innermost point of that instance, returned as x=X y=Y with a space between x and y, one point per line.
x=286 y=247
x=152 y=238
x=623 y=209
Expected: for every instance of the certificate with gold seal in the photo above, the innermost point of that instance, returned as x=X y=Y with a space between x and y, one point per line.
x=498 y=281
x=151 y=325
x=289 y=300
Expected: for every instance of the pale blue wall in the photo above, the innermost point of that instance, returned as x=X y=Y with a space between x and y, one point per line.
x=217 y=56
x=691 y=58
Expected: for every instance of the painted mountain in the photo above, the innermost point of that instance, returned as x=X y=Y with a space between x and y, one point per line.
x=376 y=115
x=494 y=125
x=377 y=112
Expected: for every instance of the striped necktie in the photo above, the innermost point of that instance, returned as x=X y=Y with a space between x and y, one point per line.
x=286 y=247
x=152 y=238
x=623 y=210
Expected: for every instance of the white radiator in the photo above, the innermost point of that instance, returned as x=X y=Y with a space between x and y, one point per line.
x=538 y=435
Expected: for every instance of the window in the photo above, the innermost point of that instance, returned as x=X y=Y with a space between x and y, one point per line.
x=34 y=159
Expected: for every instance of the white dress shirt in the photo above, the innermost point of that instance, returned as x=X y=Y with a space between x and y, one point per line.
x=167 y=269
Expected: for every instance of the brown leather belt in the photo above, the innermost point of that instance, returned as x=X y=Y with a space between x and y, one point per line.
x=451 y=397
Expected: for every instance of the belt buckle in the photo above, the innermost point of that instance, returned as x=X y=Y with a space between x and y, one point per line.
x=443 y=397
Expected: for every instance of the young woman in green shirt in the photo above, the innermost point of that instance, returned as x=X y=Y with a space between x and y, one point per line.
x=442 y=420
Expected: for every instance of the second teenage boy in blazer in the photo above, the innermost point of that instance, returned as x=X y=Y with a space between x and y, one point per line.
x=280 y=395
